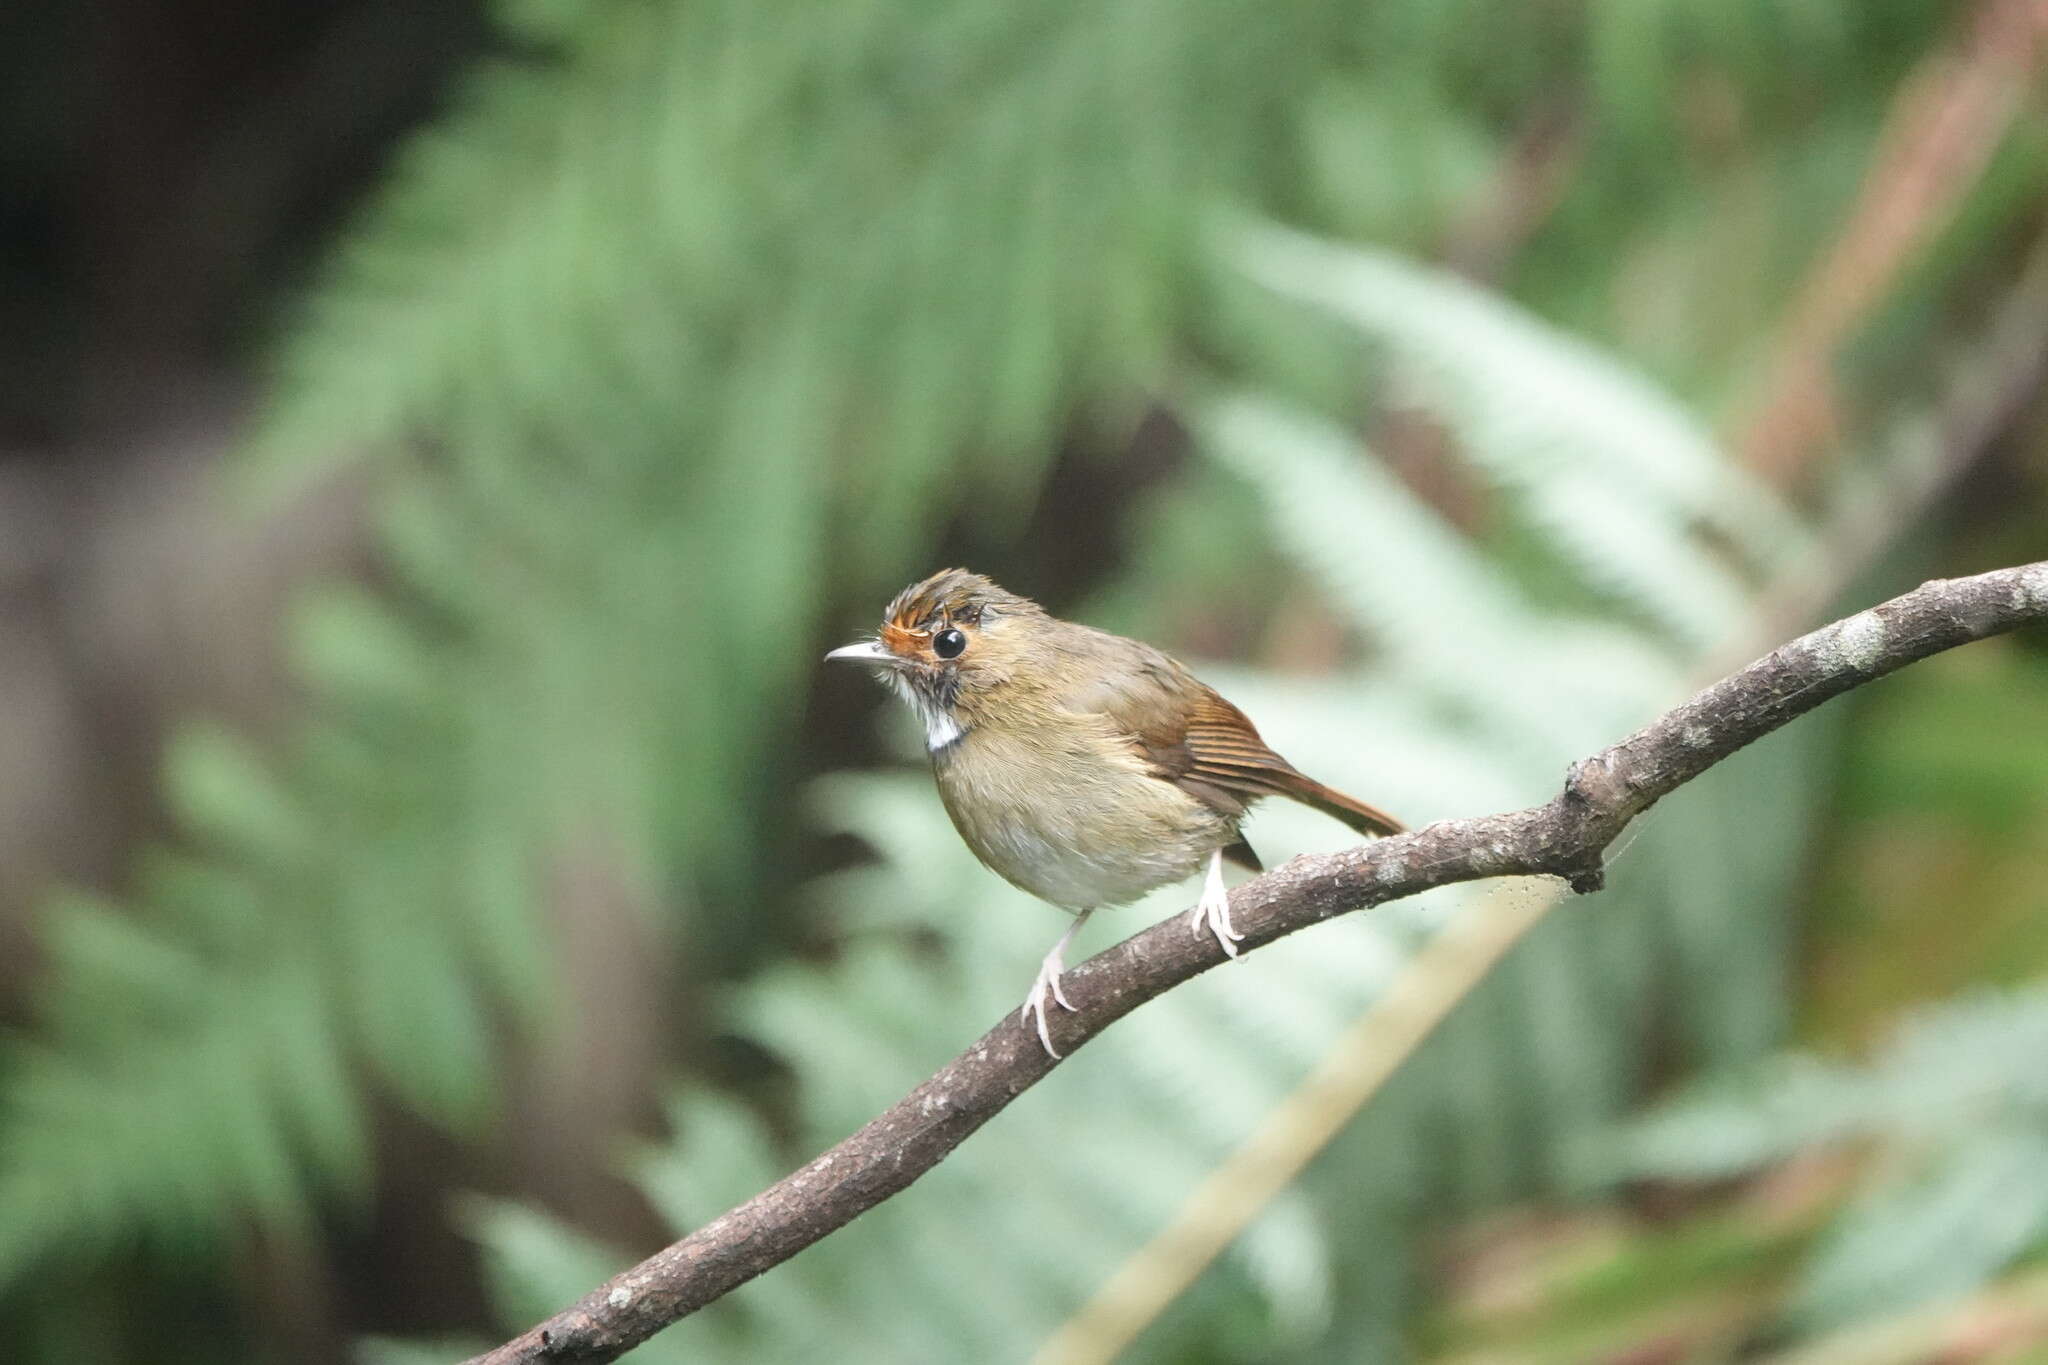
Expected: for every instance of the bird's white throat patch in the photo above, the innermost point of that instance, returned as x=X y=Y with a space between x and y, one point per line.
x=940 y=729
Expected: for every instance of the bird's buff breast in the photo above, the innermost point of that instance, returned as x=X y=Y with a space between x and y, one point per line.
x=1074 y=818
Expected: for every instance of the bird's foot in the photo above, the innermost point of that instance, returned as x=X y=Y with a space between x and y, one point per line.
x=1044 y=991
x=1212 y=911
x=1046 y=988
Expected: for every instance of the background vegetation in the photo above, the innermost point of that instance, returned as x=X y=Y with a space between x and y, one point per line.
x=440 y=444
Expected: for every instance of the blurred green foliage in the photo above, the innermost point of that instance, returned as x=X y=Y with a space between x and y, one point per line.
x=692 y=331
x=1937 y=869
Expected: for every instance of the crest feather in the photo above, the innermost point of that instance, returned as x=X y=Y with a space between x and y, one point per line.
x=950 y=595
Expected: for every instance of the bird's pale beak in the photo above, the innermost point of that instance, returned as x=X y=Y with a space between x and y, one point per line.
x=866 y=652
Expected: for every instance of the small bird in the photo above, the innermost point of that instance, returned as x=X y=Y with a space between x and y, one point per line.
x=1082 y=767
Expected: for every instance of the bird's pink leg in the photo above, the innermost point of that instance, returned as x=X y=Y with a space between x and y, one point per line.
x=1048 y=982
x=1212 y=911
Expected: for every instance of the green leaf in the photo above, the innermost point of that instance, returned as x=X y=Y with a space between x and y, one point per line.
x=1947 y=1229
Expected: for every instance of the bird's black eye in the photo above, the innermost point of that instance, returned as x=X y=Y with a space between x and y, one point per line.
x=948 y=643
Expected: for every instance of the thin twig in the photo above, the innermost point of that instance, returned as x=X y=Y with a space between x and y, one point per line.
x=1565 y=837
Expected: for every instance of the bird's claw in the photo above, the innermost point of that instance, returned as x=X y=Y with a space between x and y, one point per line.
x=1212 y=911
x=1047 y=984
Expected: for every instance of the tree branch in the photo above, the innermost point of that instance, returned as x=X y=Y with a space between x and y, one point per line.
x=1564 y=837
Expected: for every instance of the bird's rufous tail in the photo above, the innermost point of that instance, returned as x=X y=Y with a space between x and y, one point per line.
x=1335 y=804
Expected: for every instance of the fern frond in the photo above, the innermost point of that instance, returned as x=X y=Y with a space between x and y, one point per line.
x=1957 y=1102
x=1613 y=472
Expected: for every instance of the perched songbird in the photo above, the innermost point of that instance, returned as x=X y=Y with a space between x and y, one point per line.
x=1082 y=767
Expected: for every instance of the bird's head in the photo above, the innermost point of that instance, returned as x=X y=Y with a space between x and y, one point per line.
x=945 y=643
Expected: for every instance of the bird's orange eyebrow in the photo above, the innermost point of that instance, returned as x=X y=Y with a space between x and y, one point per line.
x=900 y=640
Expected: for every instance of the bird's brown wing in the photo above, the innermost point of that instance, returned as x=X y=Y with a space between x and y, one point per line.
x=1195 y=739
